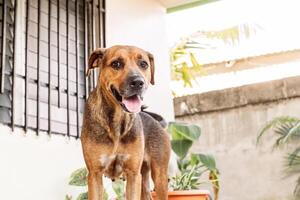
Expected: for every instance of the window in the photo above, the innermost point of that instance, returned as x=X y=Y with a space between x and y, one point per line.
x=7 y=33
x=59 y=36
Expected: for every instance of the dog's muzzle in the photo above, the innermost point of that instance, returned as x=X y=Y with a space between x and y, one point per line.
x=130 y=95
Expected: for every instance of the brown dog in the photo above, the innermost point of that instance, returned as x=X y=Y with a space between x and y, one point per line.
x=117 y=138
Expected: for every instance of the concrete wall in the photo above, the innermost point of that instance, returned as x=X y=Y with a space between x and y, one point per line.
x=38 y=167
x=230 y=121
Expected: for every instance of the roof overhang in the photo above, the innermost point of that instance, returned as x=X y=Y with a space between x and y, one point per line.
x=178 y=5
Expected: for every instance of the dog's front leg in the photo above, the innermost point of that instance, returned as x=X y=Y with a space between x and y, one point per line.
x=133 y=186
x=95 y=186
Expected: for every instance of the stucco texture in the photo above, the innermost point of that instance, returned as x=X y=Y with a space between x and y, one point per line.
x=230 y=121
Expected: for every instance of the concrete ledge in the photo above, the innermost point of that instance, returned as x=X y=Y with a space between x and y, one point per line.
x=237 y=97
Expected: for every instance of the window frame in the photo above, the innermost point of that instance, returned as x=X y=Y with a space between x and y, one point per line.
x=94 y=36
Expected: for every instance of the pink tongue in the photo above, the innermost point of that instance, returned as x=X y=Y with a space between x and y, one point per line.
x=133 y=104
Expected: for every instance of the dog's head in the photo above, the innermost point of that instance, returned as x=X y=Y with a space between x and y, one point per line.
x=125 y=73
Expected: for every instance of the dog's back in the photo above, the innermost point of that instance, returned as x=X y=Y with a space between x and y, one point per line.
x=155 y=116
x=156 y=138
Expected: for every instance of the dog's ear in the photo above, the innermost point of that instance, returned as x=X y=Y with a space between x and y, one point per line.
x=95 y=59
x=151 y=58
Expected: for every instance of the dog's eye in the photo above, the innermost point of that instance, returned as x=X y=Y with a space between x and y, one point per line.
x=143 y=64
x=117 y=64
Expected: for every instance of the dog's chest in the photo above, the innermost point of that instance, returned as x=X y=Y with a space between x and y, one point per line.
x=124 y=132
x=113 y=165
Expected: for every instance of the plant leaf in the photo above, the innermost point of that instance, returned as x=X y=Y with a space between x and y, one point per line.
x=187 y=77
x=208 y=161
x=295 y=129
x=195 y=63
x=294 y=158
x=184 y=131
x=118 y=187
x=278 y=121
x=83 y=196
x=287 y=127
x=181 y=147
x=297 y=189
x=79 y=177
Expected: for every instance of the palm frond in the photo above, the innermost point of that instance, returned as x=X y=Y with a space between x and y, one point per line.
x=292 y=132
x=297 y=189
x=282 y=125
x=294 y=158
x=283 y=128
x=278 y=141
x=288 y=129
x=232 y=34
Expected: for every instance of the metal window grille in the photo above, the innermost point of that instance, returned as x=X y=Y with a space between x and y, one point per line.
x=59 y=36
x=7 y=26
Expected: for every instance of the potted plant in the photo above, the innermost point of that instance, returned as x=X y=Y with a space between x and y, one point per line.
x=186 y=184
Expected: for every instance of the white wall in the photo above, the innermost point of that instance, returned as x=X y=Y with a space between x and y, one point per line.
x=142 y=23
x=38 y=167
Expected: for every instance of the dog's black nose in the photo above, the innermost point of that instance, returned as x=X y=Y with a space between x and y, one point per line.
x=137 y=83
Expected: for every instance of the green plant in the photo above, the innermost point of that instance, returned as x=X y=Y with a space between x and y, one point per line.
x=119 y=189
x=79 y=178
x=188 y=179
x=183 y=136
x=191 y=166
x=181 y=55
x=288 y=131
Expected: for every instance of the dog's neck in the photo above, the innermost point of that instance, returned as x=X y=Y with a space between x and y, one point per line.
x=113 y=118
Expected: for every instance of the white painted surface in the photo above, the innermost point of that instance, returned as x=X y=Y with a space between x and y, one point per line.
x=37 y=167
x=142 y=24
x=34 y=168
x=237 y=78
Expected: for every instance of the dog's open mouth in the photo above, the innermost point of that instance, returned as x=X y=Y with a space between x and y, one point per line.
x=131 y=103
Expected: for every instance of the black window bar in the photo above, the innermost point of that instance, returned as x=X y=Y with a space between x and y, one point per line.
x=59 y=36
x=7 y=72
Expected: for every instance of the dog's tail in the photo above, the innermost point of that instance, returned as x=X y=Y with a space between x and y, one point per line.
x=155 y=116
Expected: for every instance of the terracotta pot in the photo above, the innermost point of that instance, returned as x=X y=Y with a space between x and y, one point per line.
x=186 y=195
